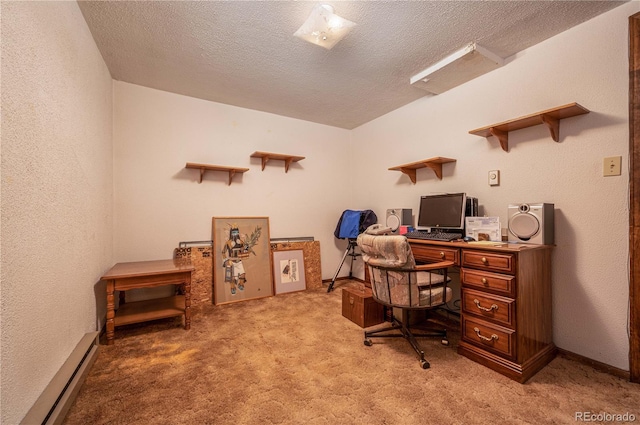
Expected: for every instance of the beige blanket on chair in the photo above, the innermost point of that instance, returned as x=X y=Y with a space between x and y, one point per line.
x=386 y=251
x=401 y=287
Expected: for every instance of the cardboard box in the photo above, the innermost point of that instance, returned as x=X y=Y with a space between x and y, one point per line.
x=359 y=306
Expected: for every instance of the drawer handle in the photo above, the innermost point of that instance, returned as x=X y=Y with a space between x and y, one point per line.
x=441 y=254
x=484 y=280
x=493 y=306
x=351 y=300
x=484 y=260
x=484 y=338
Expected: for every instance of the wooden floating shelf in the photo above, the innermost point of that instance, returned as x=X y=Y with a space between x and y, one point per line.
x=551 y=118
x=206 y=167
x=266 y=156
x=434 y=163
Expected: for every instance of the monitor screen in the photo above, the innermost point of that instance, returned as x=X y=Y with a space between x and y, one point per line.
x=445 y=211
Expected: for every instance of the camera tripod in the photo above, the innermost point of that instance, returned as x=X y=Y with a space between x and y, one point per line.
x=350 y=251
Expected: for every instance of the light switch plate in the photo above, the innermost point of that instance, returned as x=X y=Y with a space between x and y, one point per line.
x=494 y=178
x=611 y=166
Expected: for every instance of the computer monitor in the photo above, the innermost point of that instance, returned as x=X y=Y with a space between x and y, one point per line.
x=444 y=211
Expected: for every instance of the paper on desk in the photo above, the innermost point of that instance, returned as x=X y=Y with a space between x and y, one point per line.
x=483 y=228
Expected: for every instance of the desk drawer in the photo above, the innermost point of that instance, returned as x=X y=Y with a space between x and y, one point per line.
x=432 y=254
x=485 y=260
x=136 y=282
x=498 y=309
x=485 y=281
x=497 y=339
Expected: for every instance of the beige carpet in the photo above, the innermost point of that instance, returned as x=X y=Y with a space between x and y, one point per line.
x=293 y=359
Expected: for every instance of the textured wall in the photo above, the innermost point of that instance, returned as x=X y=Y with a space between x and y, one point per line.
x=588 y=65
x=56 y=193
x=159 y=203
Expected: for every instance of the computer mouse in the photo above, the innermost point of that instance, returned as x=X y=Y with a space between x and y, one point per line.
x=468 y=239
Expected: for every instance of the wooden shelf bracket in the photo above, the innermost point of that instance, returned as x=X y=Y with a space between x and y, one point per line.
x=231 y=174
x=502 y=136
x=265 y=159
x=206 y=167
x=436 y=167
x=411 y=172
x=553 y=125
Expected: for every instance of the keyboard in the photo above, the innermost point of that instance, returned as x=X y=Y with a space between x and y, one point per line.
x=433 y=236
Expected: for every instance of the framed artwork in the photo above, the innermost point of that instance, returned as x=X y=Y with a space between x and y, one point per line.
x=311 y=254
x=241 y=259
x=288 y=271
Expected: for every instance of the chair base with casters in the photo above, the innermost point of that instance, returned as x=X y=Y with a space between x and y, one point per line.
x=405 y=332
x=398 y=282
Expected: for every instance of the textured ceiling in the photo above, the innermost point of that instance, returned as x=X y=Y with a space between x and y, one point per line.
x=243 y=53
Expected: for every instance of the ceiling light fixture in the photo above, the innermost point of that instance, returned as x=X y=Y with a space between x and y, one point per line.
x=323 y=27
x=462 y=66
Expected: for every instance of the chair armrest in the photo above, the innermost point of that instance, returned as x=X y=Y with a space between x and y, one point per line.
x=434 y=266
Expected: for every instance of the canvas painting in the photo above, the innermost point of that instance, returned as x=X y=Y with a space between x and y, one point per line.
x=242 y=259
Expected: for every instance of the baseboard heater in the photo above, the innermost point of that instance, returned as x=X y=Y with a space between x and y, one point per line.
x=56 y=399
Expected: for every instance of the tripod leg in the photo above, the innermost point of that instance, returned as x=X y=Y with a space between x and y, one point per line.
x=353 y=255
x=333 y=281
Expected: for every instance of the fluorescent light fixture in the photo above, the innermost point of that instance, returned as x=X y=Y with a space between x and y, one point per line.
x=323 y=27
x=464 y=65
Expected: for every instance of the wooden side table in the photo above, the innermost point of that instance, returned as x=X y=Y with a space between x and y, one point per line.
x=147 y=274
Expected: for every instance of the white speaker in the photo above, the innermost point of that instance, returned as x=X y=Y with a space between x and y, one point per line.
x=531 y=223
x=397 y=217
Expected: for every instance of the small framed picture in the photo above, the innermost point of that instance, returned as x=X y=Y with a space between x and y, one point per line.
x=288 y=271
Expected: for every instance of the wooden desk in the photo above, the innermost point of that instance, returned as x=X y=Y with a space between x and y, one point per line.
x=147 y=274
x=505 y=294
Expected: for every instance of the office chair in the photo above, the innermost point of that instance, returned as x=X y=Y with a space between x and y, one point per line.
x=397 y=282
